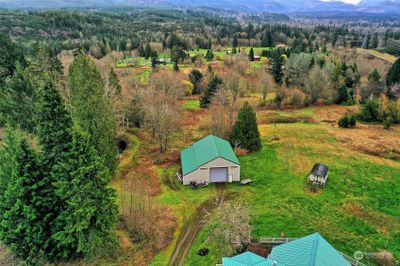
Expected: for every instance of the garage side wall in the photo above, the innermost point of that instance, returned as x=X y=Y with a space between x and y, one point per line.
x=202 y=174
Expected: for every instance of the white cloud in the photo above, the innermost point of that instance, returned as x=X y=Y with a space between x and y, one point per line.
x=352 y=2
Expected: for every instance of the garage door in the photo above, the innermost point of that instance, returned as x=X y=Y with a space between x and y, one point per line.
x=219 y=174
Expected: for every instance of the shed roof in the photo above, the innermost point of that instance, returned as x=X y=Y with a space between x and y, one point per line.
x=320 y=170
x=247 y=258
x=311 y=250
x=204 y=151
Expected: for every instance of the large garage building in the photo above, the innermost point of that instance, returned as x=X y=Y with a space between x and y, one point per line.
x=210 y=160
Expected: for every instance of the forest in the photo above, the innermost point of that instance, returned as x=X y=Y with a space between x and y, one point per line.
x=96 y=105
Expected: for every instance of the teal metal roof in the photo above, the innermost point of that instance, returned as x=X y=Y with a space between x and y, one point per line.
x=247 y=258
x=311 y=250
x=204 y=151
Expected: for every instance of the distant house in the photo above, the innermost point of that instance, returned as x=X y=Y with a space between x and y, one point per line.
x=210 y=160
x=311 y=250
x=319 y=174
x=257 y=58
x=248 y=258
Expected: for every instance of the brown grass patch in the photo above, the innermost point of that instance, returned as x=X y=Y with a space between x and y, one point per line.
x=383 y=223
x=241 y=152
x=332 y=113
x=123 y=239
x=370 y=139
x=148 y=176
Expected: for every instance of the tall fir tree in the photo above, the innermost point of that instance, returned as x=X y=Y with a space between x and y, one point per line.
x=91 y=110
x=54 y=125
x=212 y=87
x=18 y=99
x=196 y=77
x=10 y=54
x=393 y=75
x=245 y=130
x=86 y=220
x=251 y=54
x=21 y=200
x=54 y=134
x=277 y=66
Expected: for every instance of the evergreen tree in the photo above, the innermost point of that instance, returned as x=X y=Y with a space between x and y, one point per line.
x=195 y=77
x=251 y=54
x=147 y=51
x=266 y=40
x=343 y=95
x=369 y=111
x=22 y=227
x=10 y=54
x=176 y=67
x=235 y=42
x=18 y=99
x=212 y=87
x=245 y=130
x=91 y=110
x=53 y=126
x=86 y=220
x=276 y=66
x=209 y=55
x=54 y=134
x=113 y=83
x=393 y=75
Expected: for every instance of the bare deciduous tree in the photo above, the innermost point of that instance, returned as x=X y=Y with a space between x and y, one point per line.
x=317 y=84
x=267 y=84
x=160 y=105
x=221 y=113
x=145 y=220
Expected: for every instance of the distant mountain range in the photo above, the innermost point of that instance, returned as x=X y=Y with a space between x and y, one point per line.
x=276 y=6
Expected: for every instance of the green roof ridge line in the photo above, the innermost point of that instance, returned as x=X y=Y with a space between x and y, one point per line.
x=314 y=250
x=215 y=146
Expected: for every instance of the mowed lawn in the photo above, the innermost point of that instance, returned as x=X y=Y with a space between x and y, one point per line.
x=358 y=209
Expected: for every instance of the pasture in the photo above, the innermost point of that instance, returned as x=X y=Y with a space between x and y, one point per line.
x=354 y=212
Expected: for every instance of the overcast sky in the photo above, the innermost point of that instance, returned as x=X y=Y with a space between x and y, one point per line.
x=354 y=2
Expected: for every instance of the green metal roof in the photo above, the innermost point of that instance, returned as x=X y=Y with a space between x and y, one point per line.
x=311 y=250
x=204 y=151
x=247 y=258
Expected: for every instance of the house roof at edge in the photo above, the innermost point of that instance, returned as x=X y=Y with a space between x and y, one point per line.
x=246 y=259
x=311 y=250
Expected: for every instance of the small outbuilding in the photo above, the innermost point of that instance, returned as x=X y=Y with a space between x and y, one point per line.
x=209 y=160
x=319 y=174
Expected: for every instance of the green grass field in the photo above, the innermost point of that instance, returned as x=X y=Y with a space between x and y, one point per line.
x=133 y=61
x=354 y=212
x=191 y=105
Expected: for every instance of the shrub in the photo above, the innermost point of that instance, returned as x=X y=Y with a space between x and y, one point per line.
x=387 y=122
x=369 y=111
x=344 y=96
x=280 y=97
x=188 y=87
x=347 y=121
x=297 y=97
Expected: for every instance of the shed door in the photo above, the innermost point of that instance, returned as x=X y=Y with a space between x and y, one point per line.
x=219 y=174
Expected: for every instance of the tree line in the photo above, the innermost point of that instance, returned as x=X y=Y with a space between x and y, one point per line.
x=56 y=161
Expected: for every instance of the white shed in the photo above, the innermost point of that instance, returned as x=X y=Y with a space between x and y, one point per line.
x=210 y=160
x=319 y=174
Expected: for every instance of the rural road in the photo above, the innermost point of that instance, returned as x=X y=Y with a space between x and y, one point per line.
x=193 y=226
